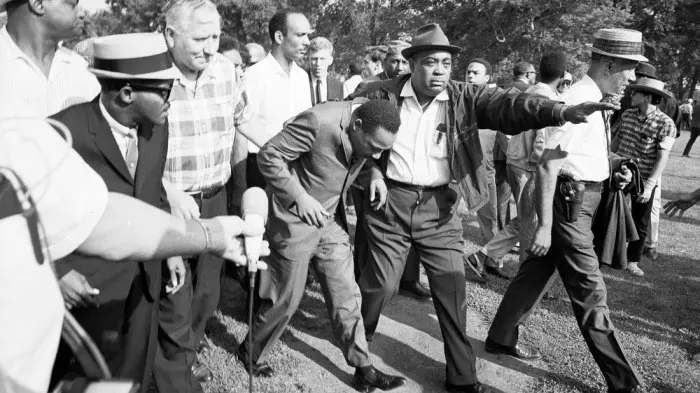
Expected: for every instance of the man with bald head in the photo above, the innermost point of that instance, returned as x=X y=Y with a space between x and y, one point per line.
x=413 y=203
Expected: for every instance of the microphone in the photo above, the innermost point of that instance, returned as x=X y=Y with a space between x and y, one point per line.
x=254 y=213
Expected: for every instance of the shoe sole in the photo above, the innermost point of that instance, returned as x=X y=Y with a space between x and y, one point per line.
x=470 y=266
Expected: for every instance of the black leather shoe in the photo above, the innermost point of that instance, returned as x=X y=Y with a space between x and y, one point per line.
x=202 y=372
x=203 y=346
x=650 y=252
x=375 y=379
x=476 y=388
x=414 y=289
x=520 y=351
x=262 y=369
x=474 y=263
x=494 y=270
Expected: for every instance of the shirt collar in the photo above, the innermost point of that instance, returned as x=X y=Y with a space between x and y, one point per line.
x=115 y=125
x=407 y=91
x=203 y=77
x=644 y=116
x=274 y=66
x=14 y=52
x=543 y=85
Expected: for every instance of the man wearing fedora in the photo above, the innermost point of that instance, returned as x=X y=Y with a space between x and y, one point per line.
x=571 y=172
x=34 y=68
x=414 y=206
x=645 y=134
x=123 y=135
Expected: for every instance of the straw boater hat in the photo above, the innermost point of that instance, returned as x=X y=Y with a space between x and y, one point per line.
x=622 y=43
x=650 y=85
x=132 y=56
x=429 y=37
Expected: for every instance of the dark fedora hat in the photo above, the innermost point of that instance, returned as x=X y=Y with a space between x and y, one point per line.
x=646 y=69
x=427 y=37
x=650 y=85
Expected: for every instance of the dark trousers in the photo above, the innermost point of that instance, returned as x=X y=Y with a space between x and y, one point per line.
x=694 y=132
x=282 y=287
x=411 y=271
x=424 y=220
x=641 y=214
x=685 y=121
x=253 y=177
x=184 y=315
x=572 y=255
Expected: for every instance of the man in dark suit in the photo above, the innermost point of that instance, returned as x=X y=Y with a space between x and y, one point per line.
x=323 y=87
x=123 y=135
x=309 y=167
x=524 y=76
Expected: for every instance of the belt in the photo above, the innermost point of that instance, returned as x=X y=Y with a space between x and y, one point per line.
x=590 y=186
x=207 y=193
x=414 y=187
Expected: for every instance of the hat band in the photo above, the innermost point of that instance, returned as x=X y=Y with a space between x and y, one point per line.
x=135 y=65
x=618 y=47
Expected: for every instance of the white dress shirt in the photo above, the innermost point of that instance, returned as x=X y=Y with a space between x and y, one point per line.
x=419 y=155
x=122 y=134
x=69 y=202
x=275 y=96
x=69 y=82
x=587 y=144
x=350 y=85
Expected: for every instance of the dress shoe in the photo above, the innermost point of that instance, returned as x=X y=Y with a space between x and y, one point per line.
x=475 y=388
x=474 y=263
x=650 y=253
x=414 y=289
x=375 y=379
x=519 y=351
x=203 y=346
x=495 y=270
x=262 y=369
x=201 y=372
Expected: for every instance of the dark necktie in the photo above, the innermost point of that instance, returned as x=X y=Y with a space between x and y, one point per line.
x=318 y=91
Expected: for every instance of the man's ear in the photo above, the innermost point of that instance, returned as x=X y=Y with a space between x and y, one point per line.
x=357 y=125
x=169 y=36
x=36 y=6
x=488 y=78
x=127 y=95
x=279 y=37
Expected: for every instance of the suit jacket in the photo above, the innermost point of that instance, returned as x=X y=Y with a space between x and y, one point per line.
x=311 y=155
x=334 y=88
x=93 y=140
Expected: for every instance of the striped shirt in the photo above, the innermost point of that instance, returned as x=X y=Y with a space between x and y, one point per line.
x=202 y=121
x=69 y=81
x=641 y=136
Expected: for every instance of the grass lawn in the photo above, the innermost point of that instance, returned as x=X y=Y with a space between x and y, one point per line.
x=657 y=317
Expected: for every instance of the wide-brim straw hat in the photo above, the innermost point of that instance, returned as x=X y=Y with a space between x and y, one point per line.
x=650 y=85
x=133 y=56
x=429 y=37
x=621 y=43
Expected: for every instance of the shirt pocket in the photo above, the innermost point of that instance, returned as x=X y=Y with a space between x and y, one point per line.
x=438 y=143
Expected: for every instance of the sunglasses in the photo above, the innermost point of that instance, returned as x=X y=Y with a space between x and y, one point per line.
x=162 y=91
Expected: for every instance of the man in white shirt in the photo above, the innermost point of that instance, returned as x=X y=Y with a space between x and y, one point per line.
x=33 y=67
x=571 y=173
x=354 y=78
x=277 y=87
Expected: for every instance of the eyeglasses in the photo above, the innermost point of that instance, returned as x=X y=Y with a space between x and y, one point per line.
x=162 y=91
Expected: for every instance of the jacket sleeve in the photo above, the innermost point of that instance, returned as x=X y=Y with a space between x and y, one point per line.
x=296 y=138
x=511 y=111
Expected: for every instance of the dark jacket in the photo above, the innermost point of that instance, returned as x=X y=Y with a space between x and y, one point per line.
x=613 y=225
x=472 y=107
x=334 y=88
x=93 y=140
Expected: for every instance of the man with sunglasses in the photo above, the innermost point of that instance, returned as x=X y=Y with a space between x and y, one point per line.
x=123 y=135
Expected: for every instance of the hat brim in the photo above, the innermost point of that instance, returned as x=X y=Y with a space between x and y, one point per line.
x=412 y=50
x=649 y=90
x=628 y=57
x=171 y=73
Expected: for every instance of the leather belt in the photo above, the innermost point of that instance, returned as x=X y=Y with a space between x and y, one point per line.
x=590 y=186
x=414 y=187
x=207 y=193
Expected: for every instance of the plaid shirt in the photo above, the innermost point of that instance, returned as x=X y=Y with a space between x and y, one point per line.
x=202 y=122
x=641 y=136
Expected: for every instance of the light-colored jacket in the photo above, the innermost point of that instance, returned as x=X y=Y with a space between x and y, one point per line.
x=525 y=149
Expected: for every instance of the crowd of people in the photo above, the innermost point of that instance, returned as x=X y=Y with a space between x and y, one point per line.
x=169 y=128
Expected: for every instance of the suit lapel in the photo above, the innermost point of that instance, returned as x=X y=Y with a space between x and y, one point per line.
x=104 y=140
x=148 y=152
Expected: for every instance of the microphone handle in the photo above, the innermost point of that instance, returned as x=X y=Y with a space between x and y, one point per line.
x=251 y=292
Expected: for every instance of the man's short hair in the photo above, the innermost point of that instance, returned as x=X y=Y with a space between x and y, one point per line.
x=355 y=68
x=486 y=64
x=522 y=68
x=176 y=10
x=377 y=54
x=227 y=43
x=319 y=43
x=278 y=22
x=379 y=113
x=553 y=65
